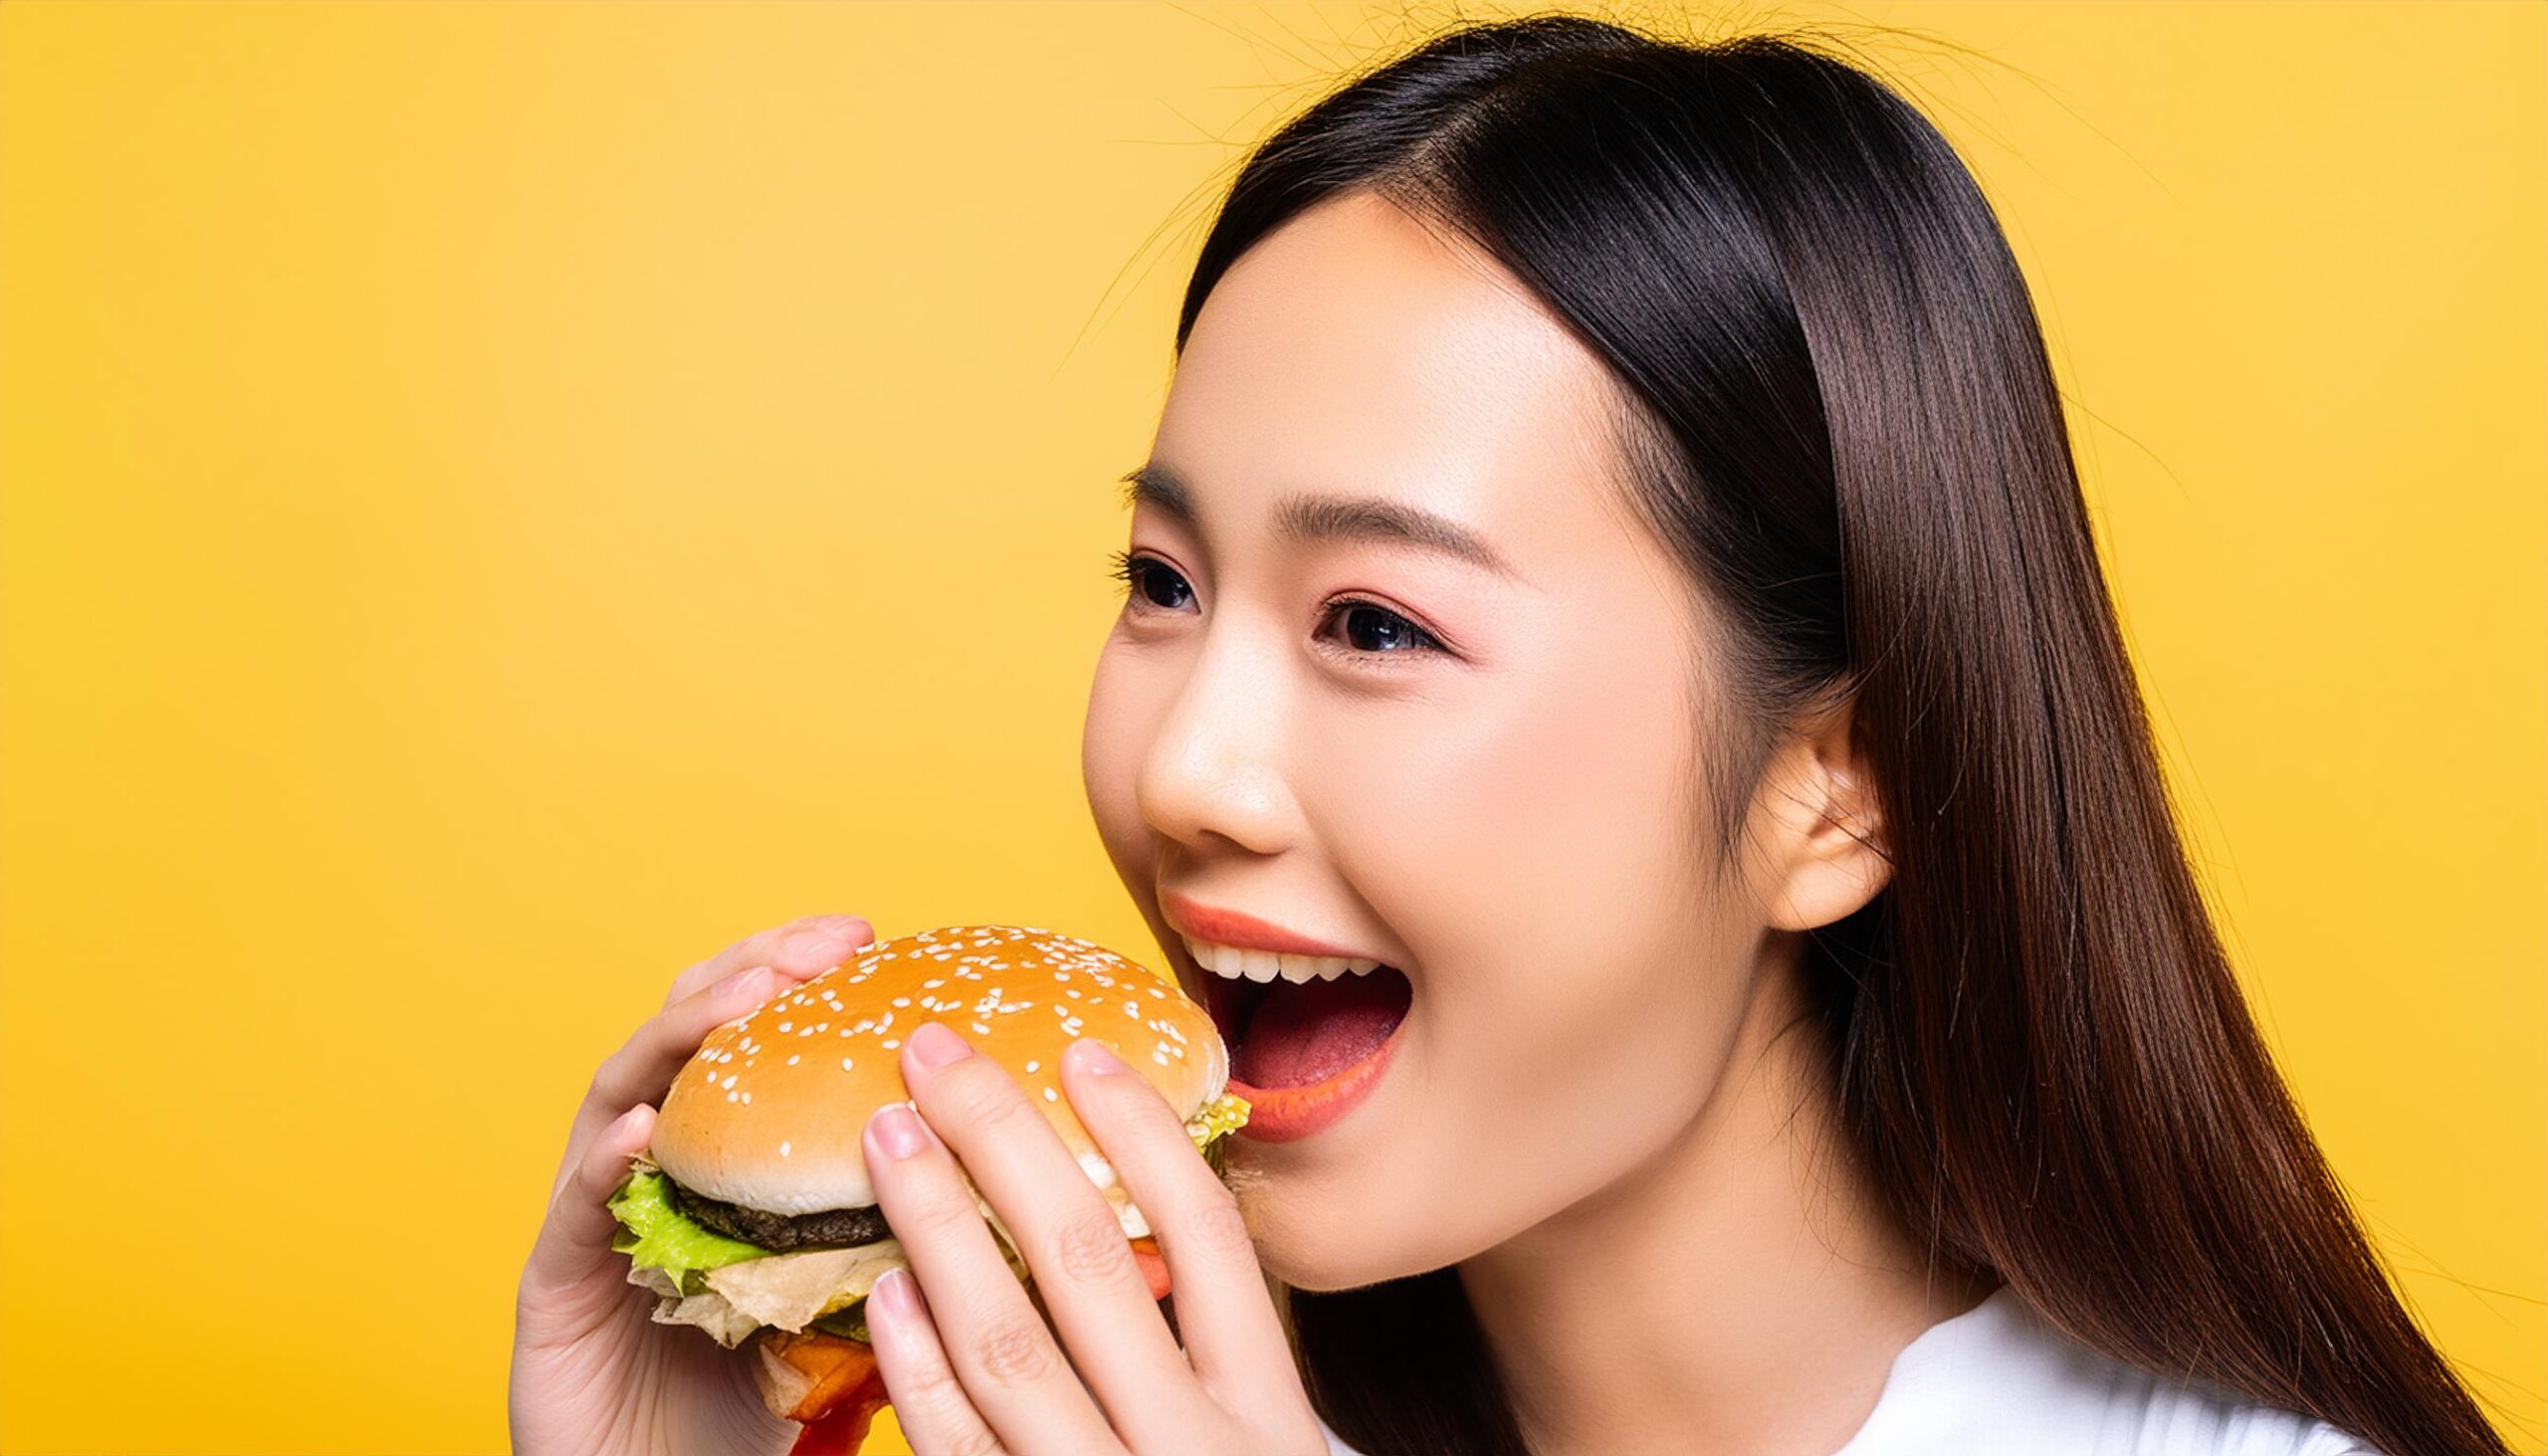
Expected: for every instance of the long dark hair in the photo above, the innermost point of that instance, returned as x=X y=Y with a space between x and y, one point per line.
x=1838 y=413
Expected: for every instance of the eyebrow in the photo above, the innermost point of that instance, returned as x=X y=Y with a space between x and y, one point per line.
x=1312 y=518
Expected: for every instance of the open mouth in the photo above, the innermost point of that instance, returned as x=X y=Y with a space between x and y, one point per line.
x=1288 y=1034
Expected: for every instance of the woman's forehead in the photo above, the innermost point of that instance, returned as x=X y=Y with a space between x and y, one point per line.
x=1358 y=352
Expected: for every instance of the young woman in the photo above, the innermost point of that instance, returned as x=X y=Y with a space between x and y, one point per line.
x=1611 y=554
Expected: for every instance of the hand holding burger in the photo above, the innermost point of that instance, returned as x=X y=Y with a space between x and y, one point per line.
x=787 y=1195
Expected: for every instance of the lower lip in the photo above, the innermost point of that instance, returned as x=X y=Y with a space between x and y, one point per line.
x=1290 y=1114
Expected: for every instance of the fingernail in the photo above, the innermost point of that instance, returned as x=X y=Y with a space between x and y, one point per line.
x=897 y=1294
x=898 y=1130
x=843 y=925
x=753 y=978
x=827 y=951
x=1094 y=1056
x=629 y=1119
x=933 y=1045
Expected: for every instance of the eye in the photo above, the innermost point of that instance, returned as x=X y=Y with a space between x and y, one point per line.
x=1371 y=629
x=1384 y=633
x=1142 y=577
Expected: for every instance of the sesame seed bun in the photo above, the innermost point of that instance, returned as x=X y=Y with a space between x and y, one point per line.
x=768 y=1114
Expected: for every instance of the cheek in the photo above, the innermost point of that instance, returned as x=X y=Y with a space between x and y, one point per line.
x=1580 y=981
x=1523 y=830
x=1112 y=738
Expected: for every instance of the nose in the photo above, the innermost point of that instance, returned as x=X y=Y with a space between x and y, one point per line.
x=1213 y=769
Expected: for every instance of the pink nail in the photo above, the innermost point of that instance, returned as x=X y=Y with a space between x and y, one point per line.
x=753 y=978
x=933 y=1045
x=897 y=1294
x=1094 y=1056
x=898 y=1132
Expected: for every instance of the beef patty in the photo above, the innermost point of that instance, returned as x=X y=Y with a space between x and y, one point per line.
x=778 y=1231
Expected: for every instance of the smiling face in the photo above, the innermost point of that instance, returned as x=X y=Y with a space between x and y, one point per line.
x=1483 y=779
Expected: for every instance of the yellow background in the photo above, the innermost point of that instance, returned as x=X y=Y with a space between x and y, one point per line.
x=502 y=499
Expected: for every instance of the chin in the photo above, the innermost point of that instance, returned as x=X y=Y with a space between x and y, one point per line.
x=1308 y=1233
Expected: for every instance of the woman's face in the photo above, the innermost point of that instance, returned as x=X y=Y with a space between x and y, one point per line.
x=1482 y=779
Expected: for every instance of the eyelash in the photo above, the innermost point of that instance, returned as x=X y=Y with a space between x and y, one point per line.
x=1127 y=568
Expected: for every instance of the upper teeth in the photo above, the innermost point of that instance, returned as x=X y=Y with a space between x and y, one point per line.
x=1265 y=965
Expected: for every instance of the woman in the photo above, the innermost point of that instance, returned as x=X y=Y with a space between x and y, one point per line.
x=1611 y=553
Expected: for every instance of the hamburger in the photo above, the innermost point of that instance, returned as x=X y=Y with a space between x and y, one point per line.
x=750 y=1214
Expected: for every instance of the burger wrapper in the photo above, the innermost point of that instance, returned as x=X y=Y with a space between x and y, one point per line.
x=708 y=1310
x=789 y=1290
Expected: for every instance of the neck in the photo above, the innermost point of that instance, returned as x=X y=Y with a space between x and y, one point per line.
x=1744 y=1291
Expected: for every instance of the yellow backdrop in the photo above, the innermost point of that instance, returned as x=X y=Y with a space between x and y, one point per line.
x=502 y=500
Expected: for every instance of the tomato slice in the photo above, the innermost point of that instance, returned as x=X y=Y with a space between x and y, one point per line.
x=1154 y=1265
x=834 y=1367
x=842 y=1430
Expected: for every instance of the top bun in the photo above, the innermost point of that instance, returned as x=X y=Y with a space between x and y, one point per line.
x=768 y=1114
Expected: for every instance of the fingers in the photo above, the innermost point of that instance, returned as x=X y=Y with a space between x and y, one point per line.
x=801 y=947
x=642 y=1069
x=936 y=1416
x=574 y=1240
x=1070 y=1236
x=1232 y=1336
x=645 y=1065
x=1004 y=1359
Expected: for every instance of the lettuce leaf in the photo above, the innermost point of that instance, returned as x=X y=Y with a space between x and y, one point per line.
x=1214 y=1121
x=656 y=1235
x=849 y=1322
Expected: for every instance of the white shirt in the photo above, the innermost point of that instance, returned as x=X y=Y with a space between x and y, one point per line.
x=1996 y=1380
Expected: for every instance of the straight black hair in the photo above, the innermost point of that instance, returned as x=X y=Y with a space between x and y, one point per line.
x=1838 y=414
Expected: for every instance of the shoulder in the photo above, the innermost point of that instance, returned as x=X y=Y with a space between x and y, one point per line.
x=1998 y=1380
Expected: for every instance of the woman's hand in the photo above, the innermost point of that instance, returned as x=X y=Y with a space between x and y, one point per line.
x=592 y=1373
x=972 y=1369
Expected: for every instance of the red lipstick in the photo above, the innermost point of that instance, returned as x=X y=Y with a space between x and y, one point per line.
x=1244 y=931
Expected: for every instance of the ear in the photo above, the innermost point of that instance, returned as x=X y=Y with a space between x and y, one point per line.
x=1828 y=852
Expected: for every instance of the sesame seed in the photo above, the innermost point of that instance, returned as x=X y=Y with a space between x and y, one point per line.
x=1031 y=1066
x=784 y=1149
x=978 y=1026
x=791 y=1060
x=729 y=1083
x=1049 y=1097
x=748 y=1099
x=844 y=1064
x=892 y=1042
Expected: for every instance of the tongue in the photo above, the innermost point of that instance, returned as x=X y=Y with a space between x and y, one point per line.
x=1302 y=1034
